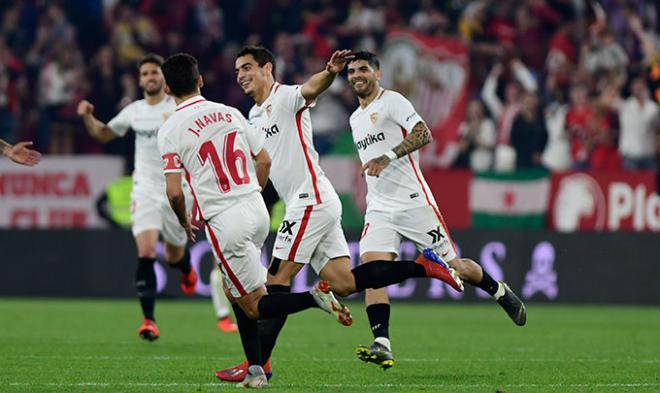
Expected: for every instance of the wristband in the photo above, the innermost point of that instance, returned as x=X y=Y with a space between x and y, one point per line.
x=391 y=155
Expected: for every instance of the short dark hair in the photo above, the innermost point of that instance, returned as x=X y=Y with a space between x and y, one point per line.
x=371 y=58
x=181 y=74
x=150 y=58
x=261 y=55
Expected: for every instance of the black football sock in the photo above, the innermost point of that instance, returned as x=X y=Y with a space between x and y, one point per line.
x=249 y=332
x=184 y=263
x=145 y=283
x=269 y=329
x=282 y=304
x=488 y=284
x=379 y=319
x=379 y=274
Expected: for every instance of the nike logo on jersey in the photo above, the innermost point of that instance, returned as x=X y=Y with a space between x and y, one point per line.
x=270 y=131
x=370 y=139
x=409 y=116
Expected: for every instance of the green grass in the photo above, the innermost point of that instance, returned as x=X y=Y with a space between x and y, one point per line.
x=92 y=346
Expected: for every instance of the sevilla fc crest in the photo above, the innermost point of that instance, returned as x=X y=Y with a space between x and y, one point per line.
x=269 y=110
x=374 y=117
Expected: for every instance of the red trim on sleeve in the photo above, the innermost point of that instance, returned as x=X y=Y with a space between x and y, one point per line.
x=426 y=195
x=310 y=166
x=301 y=232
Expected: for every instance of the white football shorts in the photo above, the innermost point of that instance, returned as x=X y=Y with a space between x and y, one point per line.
x=150 y=209
x=423 y=226
x=311 y=235
x=236 y=236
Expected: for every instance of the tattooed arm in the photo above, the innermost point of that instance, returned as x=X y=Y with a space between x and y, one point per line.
x=420 y=136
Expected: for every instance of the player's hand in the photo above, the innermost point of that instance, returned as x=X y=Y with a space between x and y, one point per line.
x=85 y=108
x=21 y=154
x=338 y=61
x=375 y=166
x=190 y=229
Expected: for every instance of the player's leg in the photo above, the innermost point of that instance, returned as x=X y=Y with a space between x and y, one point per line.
x=177 y=255
x=145 y=281
x=221 y=303
x=426 y=227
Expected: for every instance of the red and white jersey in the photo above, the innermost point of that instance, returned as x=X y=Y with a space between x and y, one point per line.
x=285 y=122
x=213 y=145
x=378 y=128
x=145 y=120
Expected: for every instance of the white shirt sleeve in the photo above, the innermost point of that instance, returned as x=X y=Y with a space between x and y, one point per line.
x=169 y=152
x=122 y=122
x=401 y=111
x=293 y=97
x=255 y=138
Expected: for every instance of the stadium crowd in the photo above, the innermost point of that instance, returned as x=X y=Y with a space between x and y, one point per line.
x=559 y=84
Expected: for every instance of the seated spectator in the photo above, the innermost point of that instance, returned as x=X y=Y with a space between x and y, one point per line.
x=477 y=139
x=640 y=124
x=528 y=134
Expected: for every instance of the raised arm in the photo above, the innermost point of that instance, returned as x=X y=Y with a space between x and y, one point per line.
x=418 y=137
x=20 y=153
x=96 y=128
x=319 y=82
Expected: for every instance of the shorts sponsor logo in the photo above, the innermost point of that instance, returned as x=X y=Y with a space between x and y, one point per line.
x=303 y=196
x=436 y=235
x=287 y=227
x=369 y=140
x=415 y=195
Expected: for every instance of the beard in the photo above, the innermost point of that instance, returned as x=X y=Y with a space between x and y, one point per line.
x=154 y=90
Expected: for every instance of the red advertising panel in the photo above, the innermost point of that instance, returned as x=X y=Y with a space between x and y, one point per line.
x=451 y=190
x=604 y=201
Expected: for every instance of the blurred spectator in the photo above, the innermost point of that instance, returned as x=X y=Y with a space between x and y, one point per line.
x=578 y=118
x=557 y=153
x=477 y=137
x=528 y=133
x=603 y=133
x=133 y=34
x=505 y=112
x=59 y=87
x=640 y=126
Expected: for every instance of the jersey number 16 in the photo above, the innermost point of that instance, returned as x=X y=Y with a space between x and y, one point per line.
x=231 y=156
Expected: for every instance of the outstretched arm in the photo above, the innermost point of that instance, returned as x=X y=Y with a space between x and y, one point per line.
x=96 y=128
x=420 y=136
x=20 y=153
x=319 y=82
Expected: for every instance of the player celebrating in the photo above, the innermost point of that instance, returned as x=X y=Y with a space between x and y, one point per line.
x=150 y=211
x=20 y=153
x=212 y=143
x=388 y=132
x=311 y=230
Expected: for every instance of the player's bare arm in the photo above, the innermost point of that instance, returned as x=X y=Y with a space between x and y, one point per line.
x=20 y=153
x=319 y=82
x=96 y=128
x=262 y=164
x=178 y=202
x=418 y=137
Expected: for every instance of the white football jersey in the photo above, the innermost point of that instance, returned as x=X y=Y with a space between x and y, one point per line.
x=213 y=145
x=145 y=120
x=378 y=128
x=285 y=121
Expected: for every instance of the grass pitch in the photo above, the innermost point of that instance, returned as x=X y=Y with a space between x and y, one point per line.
x=92 y=346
